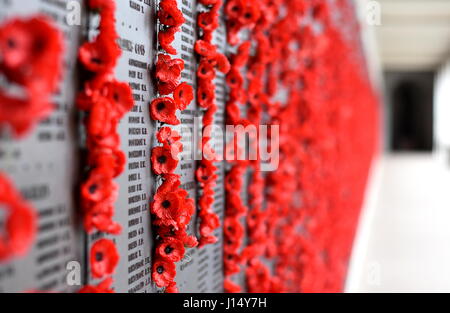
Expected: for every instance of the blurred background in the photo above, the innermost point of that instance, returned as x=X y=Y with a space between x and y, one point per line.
x=403 y=241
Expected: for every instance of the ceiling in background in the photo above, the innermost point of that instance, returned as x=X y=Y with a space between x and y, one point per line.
x=415 y=34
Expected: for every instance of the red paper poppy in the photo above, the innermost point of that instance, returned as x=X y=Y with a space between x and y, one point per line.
x=166 y=37
x=205 y=94
x=207 y=240
x=166 y=88
x=111 y=161
x=169 y=14
x=163 y=161
x=100 y=186
x=166 y=206
x=234 y=79
x=205 y=49
x=231 y=263
x=101 y=220
x=205 y=70
x=120 y=97
x=99 y=56
x=234 y=9
x=183 y=95
x=210 y=222
x=31 y=52
x=208 y=21
x=206 y=172
x=163 y=272
x=233 y=228
x=103 y=258
x=20 y=223
x=171 y=249
x=164 y=110
x=168 y=69
x=222 y=63
x=168 y=136
x=101 y=121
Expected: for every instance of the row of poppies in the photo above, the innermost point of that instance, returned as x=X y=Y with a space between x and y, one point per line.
x=105 y=101
x=172 y=208
x=31 y=51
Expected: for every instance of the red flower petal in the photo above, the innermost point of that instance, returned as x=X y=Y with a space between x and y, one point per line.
x=163 y=272
x=171 y=249
x=169 y=14
x=183 y=95
x=163 y=162
x=164 y=110
x=166 y=37
x=103 y=258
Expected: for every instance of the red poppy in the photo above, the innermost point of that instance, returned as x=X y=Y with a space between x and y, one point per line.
x=163 y=161
x=168 y=136
x=171 y=249
x=231 y=245
x=206 y=172
x=169 y=14
x=111 y=161
x=205 y=94
x=166 y=37
x=205 y=70
x=31 y=52
x=208 y=21
x=103 y=287
x=99 y=56
x=231 y=263
x=234 y=9
x=207 y=240
x=119 y=96
x=103 y=258
x=164 y=110
x=163 y=272
x=205 y=49
x=168 y=69
x=234 y=79
x=100 y=186
x=166 y=88
x=100 y=218
x=20 y=223
x=233 y=228
x=166 y=206
x=183 y=95
x=222 y=63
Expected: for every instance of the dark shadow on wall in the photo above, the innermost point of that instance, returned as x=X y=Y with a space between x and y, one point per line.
x=410 y=111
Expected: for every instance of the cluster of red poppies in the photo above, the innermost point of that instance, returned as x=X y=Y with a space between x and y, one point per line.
x=210 y=60
x=20 y=224
x=106 y=101
x=309 y=210
x=171 y=206
x=30 y=57
x=235 y=208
